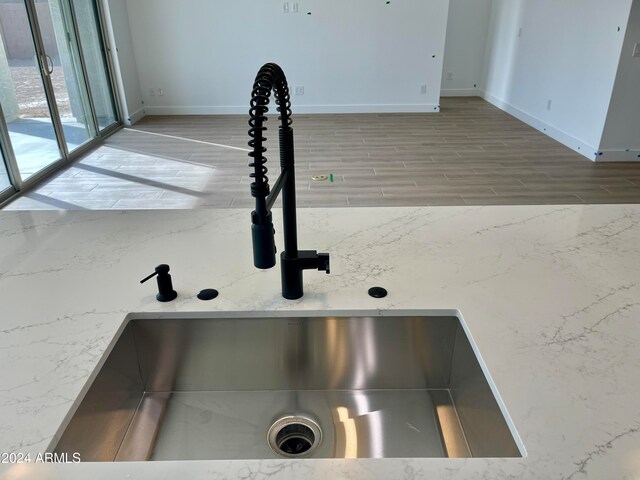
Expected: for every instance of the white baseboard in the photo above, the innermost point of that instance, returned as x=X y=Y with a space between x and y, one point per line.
x=566 y=139
x=135 y=117
x=300 y=109
x=618 y=156
x=391 y=108
x=244 y=110
x=461 y=92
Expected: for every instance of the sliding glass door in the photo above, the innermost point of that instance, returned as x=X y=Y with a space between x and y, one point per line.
x=55 y=88
x=25 y=105
x=63 y=71
x=87 y=17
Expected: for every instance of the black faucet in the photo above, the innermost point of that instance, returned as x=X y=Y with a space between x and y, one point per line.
x=292 y=261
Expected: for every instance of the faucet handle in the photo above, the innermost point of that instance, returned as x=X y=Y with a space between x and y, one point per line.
x=324 y=264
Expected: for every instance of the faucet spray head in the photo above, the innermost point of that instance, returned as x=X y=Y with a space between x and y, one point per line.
x=264 y=243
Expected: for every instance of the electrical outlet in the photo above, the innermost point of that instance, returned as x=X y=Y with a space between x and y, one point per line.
x=449 y=76
x=285 y=7
x=152 y=92
x=294 y=7
x=161 y=92
x=520 y=33
x=299 y=90
x=636 y=50
x=549 y=103
x=423 y=89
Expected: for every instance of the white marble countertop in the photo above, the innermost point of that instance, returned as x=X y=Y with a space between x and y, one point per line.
x=551 y=296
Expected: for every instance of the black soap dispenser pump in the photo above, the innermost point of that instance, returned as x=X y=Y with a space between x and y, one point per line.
x=166 y=293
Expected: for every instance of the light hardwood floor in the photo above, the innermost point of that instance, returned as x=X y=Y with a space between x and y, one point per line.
x=470 y=154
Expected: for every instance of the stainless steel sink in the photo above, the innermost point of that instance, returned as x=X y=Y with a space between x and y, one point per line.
x=255 y=388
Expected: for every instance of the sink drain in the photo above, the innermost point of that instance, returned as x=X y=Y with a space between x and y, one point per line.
x=294 y=436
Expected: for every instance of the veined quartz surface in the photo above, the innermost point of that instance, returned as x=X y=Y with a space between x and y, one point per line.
x=551 y=296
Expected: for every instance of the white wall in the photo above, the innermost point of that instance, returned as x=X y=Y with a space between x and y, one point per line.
x=568 y=52
x=621 y=138
x=126 y=68
x=351 y=56
x=464 y=52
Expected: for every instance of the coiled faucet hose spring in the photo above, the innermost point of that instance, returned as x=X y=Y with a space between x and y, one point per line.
x=269 y=78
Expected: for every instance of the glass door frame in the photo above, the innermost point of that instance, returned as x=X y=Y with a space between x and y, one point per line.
x=20 y=185
x=43 y=63
x=99 y=5
x=108 y=53
x=8 y=161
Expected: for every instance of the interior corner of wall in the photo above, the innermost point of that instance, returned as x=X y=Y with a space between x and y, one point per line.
x=135 y=117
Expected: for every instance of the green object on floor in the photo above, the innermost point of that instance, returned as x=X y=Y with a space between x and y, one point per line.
x=331 y=178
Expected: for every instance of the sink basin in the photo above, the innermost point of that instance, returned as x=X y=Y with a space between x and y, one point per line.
x=403 y=386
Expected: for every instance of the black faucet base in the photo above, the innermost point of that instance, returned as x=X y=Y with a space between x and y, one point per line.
x=292 y=268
